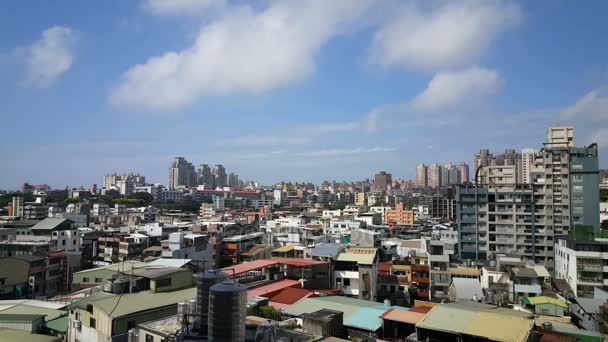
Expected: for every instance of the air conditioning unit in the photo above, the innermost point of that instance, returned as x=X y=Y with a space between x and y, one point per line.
x=77 y=325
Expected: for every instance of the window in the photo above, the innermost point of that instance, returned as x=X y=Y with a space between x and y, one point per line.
x=85 y=280
x=98 y=280
x=163 y=282
x=346 y=282
x=149 y=338
x=131 y=325
x=63 y=242
x=74 y=243
x=92 y=323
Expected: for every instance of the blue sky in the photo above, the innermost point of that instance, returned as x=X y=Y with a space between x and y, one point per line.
x=280 y=90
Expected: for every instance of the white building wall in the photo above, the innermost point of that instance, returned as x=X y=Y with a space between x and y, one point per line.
x=565 y=265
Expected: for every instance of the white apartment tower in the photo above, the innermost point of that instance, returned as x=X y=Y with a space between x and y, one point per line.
x=181 y=173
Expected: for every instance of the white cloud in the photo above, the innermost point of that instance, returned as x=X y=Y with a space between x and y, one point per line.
x=245 y=51
x=337 y=152
x=279 y=139
x=452 y=88
x=182 y=7
x=451 y=35
x=50 y=56
x=593 y=106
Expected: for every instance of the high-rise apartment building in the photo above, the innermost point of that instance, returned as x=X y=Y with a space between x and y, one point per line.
x=434 y=175
x=501 y=216
x=527 y=161
x=181 y=173
x=220 y=176
x=382 y=181
x=463 y=171
x=112 y=180
x=233 y=180
x=509 y=158
x=204 y=175
x=421 y=176
x=125 y=182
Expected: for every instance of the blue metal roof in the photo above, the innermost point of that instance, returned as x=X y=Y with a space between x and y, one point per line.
x=326 y=249
x=368 y=318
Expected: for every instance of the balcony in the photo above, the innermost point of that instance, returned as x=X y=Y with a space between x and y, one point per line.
x=590 y=268
x=420 y=280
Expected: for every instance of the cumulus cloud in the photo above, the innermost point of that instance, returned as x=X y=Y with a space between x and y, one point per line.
x=182 y=7
x=244 y=50
x=50 y=56
x=452 y=88
x=451 y=35
x=592 y=106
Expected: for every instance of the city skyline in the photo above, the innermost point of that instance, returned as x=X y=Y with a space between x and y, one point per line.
x=358 y=95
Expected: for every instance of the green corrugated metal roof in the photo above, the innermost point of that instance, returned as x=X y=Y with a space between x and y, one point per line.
x=544 y=300
x=141 y=301
x=18 y=318
x=345 y=305
x=50 y=223
x=24 y=336
x=59 y=324
x=124 y=266
x=22 y=309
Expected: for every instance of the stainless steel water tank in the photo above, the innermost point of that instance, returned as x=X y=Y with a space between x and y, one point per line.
x=182 y=312
x=204 y=280
x=227 y=312
x=133 y=335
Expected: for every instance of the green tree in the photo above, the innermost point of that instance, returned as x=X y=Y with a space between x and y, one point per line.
x=265 y=312
x=146 y=197
x=603 y=195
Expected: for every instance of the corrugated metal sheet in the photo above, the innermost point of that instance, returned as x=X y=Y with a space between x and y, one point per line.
x=499 y=327
x=544 y=300
x=446 y=319
x=396 y=315
x=260 y=291
x=365 y=319
x=360 y=255
x=345 y=305
x=286 y=248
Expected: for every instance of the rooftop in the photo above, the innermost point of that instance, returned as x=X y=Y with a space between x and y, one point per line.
x=540 y=300
x=249 y=266
x=486 y=324
x=169 y=262
x=403 y=316
x=360 y=255
x=124 y=266
x=326 y=250
x=24 y=336
x=152 y=272
x=52 y=223
x=290 y=295
x=135 y=302
x=262 y=290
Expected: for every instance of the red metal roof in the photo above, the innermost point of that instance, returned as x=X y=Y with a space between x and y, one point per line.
x=421 y=309
x=299 y=262
x=290 y=295
x=249 y=266
x=272 y=288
